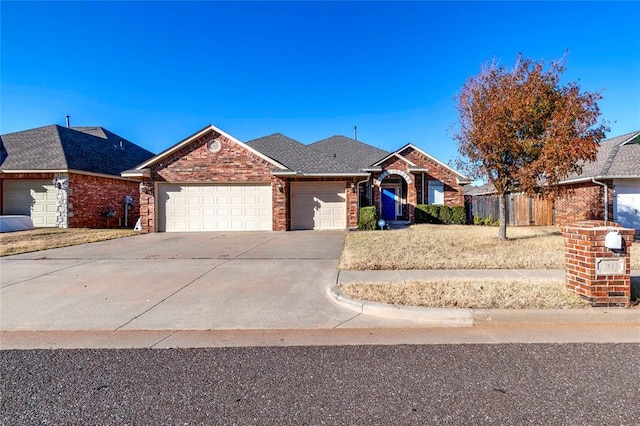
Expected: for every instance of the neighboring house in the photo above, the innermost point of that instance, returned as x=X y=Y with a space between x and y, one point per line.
x=608 y=188
x=69 y=177
x=610 y=184
x=211 y=181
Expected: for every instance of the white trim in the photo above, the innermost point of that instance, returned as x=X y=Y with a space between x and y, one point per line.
x=377 y=181
x=35 y=171
x=410 y=145
x=328 y=174
x=599 y=177
x=630 y=139
x=199 y=134
x=395 y=154
x=283 y=173
x=74 y=171
x=137 y=173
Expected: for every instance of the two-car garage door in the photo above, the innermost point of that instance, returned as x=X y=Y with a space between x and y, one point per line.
x=188 y=208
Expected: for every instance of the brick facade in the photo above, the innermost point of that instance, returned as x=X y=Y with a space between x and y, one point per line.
x=195 y=163
x=584 y=243
x=89 y=195
x=412 y=191
x=453 y=192
x=582 y=201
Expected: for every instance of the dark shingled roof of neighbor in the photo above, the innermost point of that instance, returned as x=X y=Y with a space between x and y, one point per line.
x=89 y=149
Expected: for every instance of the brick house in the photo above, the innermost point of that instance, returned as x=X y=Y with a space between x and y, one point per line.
x=211 y=181
x=607 y=189
x=69 y=177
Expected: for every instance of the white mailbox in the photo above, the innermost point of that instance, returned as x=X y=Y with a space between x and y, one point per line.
x=613 y=240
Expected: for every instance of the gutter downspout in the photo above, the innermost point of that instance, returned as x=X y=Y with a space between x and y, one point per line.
x=422 y=188
x=358 y=190
x=606 y=198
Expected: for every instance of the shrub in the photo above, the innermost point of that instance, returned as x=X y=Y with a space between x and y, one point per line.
x=422 y=216
x=427 y=213
x=459 y=215
x=477 y=220
x=446 y=215
x=368 y=218
x=490 y=221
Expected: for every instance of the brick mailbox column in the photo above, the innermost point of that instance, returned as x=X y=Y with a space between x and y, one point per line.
x=598 y=274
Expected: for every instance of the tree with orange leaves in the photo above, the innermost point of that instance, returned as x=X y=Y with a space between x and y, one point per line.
x=524 y=131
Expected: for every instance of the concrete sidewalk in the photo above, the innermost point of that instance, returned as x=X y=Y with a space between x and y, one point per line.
x=458 y=317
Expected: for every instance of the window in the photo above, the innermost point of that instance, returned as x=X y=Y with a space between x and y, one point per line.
x=436 y=192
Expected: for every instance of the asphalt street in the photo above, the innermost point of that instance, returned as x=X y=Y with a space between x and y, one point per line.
x=571 y=384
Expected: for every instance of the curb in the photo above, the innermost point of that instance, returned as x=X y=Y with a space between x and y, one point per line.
x=443 y=317
x=460 y=317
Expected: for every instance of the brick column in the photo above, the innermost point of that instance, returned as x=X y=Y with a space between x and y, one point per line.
x=596 y=273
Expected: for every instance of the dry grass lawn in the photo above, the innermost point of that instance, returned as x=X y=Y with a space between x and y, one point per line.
x=458 y=247
x=48 y=238
x=477 y=294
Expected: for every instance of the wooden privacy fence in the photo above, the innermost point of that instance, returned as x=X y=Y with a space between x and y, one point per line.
x=522 y=210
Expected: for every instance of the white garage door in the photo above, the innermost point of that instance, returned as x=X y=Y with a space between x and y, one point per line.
x=30 y=197
x=627 y=203
x=187 y=208
x=318 y=205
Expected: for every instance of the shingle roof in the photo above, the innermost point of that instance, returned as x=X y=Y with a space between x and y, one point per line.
x=280 y=148
x=90 y=149
x=615 y=159
x=298 y=157
x=355 y=154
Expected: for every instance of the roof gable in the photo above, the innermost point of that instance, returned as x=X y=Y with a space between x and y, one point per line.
x=459 y=176
x=210 y=128
x=56 y=148
x=618 y=157
x=392 y=155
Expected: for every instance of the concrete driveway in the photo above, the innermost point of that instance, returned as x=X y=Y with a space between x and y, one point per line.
x=191 y=281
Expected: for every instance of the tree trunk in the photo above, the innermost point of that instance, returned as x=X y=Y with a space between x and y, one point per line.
x=502 y=231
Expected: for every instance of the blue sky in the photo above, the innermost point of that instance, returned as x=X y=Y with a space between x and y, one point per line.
x=156 y=72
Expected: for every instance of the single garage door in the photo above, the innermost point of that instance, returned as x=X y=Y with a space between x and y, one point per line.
x=318 y=205
x=188 y=208
x=627 y=203
x=30 y=197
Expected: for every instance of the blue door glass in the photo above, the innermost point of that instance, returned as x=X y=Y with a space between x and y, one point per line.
x=389 y=203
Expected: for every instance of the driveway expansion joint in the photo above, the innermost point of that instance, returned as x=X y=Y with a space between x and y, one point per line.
x=170 y=296
x=50 y=272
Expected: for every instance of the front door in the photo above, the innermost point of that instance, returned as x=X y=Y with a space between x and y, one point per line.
x=389 y=203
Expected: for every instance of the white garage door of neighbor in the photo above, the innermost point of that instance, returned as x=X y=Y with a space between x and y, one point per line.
x=318 y=205
x=189 y=208
x=627 y=204
x=30 y=197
